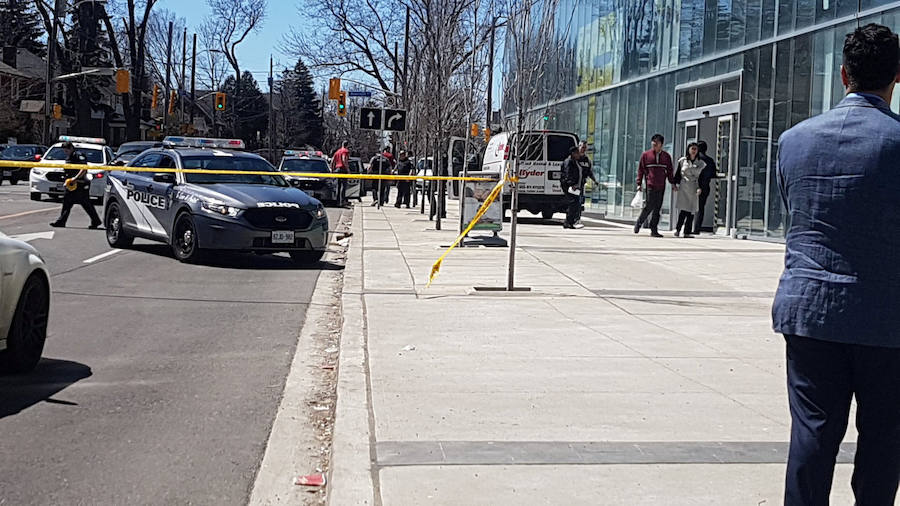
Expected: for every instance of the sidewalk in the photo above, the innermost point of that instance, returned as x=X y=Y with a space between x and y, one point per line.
x=636 y=371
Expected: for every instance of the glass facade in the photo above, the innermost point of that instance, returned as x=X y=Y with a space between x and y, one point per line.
x=735 y=73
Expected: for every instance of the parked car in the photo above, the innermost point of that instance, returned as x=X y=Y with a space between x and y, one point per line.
x=24 y=305
x=128 y=151
x=20 y=153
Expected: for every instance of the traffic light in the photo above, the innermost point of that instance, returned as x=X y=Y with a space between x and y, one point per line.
x=487 y=134
x=57 y=111
x=171 y=102
x=474 y=130
x=155 y=100
x=220 y=101
x=342 y=104
x=123 y=81
x=334 y=88
x=546 y=117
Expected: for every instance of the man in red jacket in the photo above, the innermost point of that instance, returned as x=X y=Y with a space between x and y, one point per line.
x=656 y=167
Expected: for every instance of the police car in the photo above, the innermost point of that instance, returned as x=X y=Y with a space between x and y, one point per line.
x=194 y=212
x=312 y=162
x=51 y=181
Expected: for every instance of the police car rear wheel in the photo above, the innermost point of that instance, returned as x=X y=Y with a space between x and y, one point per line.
x=307 y=257
x=28 y=330
x=116 y=235
x=184 y=239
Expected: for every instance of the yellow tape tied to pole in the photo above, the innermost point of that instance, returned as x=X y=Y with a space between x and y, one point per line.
x=483 y=209
x=155 y=170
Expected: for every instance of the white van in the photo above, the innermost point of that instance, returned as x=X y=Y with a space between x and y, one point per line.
x=540 y=164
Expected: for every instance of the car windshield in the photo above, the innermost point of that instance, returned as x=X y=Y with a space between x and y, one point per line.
x=92 y=155
x=304 y=165
x=17 y=152
x=236 y=163
x=133 y=149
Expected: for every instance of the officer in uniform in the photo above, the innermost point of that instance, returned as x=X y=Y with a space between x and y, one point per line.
x=77 y=190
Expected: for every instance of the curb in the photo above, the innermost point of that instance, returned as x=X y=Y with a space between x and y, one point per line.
x=351 y=481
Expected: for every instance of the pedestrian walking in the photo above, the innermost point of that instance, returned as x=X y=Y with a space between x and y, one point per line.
x=77 y=189
x=381 y=166
x=709 y=173
x=687 y=198
x=404 y=168
x=838 y=300
x=570 y=180
x=587 y=172
x=340 y=164
x=656 y=167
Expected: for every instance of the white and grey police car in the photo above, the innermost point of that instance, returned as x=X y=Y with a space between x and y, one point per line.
x=195 y=212
x=51 y=181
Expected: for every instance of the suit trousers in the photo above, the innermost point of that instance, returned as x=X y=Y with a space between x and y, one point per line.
x=822 y=377
x=704 y=195
x=652 y=208
x=80 y=196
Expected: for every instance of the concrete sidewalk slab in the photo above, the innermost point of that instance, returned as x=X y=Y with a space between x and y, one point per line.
x=660 y=349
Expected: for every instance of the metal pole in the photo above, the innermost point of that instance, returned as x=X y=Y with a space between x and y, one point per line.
x=271 y=115
x=406 y=59
x=193 y=79
x=465 y=160
x=490 y=72
x=51 y=55
x=183 y=76
x=168 y=79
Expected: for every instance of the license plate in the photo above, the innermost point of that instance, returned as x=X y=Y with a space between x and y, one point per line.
x=283 y=237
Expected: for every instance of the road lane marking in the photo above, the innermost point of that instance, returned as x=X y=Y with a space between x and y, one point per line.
x=26 y=213
x=30 y=237
x=101 y=256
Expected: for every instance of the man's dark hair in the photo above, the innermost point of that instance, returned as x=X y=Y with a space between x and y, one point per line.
x=871 y=57
x=658 y=138
x=67 y=145
x=573 y=150
x=702 y=147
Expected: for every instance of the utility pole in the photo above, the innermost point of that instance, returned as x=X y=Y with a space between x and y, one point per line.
x=181 y=87
x=193 y=79
x=168 y=79
x=490 y=72
x=406 y=61
x=51 y=55
x=271 y=116
x=465 y=160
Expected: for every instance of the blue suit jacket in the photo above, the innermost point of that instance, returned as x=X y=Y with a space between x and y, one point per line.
x=839 y=175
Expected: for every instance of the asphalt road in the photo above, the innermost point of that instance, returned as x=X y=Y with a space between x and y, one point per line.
x=160 y=380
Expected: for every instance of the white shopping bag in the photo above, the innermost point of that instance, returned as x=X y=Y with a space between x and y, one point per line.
x=638 y=201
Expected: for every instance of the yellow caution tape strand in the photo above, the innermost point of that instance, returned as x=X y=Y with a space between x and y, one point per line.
x=155 y=170
x=483 y=209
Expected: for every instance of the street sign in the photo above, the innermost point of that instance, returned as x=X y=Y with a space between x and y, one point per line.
x=360 y=93
x=370 y=118
x=395 y=120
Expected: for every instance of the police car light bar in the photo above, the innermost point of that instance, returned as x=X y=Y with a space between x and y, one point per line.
x=85 y=140
x=204 y=142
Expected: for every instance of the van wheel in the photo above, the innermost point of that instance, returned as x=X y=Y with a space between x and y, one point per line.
x=547 y=215
x=184 y=239
x=36 y=196
x=116 y=235
x=28 y=330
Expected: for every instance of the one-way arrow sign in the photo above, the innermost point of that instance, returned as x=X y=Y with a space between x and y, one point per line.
x=395 y=120
x=370 y=118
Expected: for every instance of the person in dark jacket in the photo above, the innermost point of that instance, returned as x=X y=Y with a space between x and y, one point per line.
x=570 y=180
x=380 y=165
x=838 y=300
x=404 y=168
x=77 y=189
x=706 y=177
x=656 y=167
x=587 y=172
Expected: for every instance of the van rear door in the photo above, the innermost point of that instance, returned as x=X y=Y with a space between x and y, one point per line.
x=558 y=146
x=532 y=169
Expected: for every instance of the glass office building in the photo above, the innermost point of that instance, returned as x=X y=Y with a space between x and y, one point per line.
x=735 y=73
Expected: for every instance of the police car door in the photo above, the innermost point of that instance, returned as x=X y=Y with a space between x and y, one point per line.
x=133 y=193
x=162 y=193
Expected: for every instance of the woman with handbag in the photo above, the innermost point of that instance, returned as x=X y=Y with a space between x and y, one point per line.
x=687 y=198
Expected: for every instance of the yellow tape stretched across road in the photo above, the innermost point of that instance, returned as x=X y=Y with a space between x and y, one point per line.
x=483 y=209
x=330 y=175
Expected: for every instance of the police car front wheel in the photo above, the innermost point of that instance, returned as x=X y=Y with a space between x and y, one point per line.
x=184 y=239
x=116 y=235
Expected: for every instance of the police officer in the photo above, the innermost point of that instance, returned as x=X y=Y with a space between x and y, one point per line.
x=77 y=190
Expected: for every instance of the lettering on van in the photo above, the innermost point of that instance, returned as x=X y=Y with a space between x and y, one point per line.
x=526 y=173
x=157 y=201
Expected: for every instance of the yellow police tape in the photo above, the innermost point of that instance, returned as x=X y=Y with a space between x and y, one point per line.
x=483 y=209
x=155 y=170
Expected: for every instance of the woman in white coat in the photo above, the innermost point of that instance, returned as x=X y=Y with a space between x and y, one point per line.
x=687 y=198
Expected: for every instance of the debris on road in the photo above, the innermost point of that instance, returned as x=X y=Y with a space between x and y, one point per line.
x=409 y=347
x=311 y=480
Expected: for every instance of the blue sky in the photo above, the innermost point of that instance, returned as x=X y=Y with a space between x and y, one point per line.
x=253 y=52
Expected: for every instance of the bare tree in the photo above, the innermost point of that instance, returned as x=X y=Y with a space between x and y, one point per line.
x=228 y=26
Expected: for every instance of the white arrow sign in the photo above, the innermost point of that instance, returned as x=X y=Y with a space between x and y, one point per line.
x=392 y=119
x=33 y=236
x=371 y=119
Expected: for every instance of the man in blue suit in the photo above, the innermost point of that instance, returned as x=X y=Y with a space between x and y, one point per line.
x=838 y=301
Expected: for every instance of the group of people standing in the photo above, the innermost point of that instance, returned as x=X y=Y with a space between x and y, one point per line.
x=382 y=163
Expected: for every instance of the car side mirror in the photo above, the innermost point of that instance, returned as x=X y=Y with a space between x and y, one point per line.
x=164 y=177
x=37 y=158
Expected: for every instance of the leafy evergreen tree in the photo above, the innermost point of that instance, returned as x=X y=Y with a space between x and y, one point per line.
x=300 y=109
x=20 y=26
x=86 y=46
x=252 y=110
